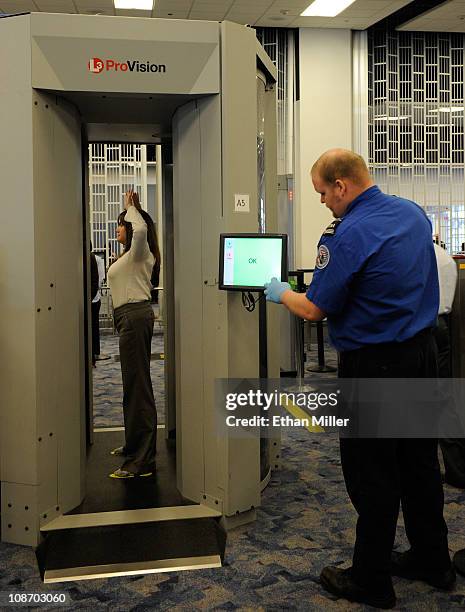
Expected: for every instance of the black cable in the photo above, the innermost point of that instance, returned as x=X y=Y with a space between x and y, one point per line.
x=249 y=301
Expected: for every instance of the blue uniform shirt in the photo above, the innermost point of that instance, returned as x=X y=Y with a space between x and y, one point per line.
x=376 y=275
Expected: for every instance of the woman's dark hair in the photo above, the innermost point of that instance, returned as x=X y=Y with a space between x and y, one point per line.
x=151 y=233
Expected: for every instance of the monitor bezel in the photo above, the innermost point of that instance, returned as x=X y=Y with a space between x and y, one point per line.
x=284 y=262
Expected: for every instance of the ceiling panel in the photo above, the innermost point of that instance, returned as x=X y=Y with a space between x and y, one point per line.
x=210 y=8
x=56 y=6
x=106 y=12
x=295 y=7
x=324 y=22
x=254 y=15
x=352 y=17
x=178 y=9
x=444 y=18
x=166 y=5
x=362 y=12
x=132 y=13
x=255 y=6
x=95 y=6
x=18 y=6
x=275 y=22
x=238 y=18
x=271 y=13
x=208 y=15
x=292 y=3
x=171 y=14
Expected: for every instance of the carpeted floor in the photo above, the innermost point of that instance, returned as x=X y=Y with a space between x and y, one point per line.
x=305 y=522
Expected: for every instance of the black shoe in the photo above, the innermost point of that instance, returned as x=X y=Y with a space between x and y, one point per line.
x=340 y=582
x=406 y=565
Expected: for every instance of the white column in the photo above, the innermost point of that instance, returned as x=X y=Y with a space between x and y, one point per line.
x=360 y=93
x=290 y=93
x=323 y=121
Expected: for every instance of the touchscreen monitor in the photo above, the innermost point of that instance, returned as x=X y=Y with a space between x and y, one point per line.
x=248 y=261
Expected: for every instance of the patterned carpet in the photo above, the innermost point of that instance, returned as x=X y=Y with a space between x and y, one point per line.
x=304 y=523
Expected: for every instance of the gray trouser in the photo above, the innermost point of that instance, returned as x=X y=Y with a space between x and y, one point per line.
x=134 y=323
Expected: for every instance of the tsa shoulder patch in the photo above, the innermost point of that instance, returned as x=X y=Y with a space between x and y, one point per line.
x=322 y=259
x=332 y=227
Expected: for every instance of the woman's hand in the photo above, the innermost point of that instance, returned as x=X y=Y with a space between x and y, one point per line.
x=131 y=198
x=128 y=199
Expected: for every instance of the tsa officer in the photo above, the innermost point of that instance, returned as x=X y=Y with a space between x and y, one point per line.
x=376 y=282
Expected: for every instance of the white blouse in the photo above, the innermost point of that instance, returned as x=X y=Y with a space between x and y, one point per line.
x=129 y=277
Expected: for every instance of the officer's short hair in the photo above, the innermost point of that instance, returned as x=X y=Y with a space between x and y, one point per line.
x=341 y=164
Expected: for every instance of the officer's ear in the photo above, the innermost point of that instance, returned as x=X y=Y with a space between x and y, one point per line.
x=340 y=184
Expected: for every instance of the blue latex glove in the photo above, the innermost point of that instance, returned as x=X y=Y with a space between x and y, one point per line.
x=274 y=289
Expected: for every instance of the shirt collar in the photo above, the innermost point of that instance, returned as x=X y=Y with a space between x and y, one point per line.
x=363 y=197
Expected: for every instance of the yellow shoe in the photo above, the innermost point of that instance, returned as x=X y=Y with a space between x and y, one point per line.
x=124 y=474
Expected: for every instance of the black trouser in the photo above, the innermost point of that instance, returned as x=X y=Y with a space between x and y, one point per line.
x=134 y=323
x=453 y=449
x=95 y=309
x=382 y=473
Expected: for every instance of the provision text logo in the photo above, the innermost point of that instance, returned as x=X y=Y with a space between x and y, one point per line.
x=97 y=65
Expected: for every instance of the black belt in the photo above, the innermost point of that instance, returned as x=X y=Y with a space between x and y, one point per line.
x=386 y=346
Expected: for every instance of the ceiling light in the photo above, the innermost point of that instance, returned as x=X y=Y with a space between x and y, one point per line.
x=138 y=5
x=448 y=109
x=326 y=8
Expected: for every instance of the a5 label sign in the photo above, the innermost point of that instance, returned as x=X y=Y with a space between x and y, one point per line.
x=241 y=202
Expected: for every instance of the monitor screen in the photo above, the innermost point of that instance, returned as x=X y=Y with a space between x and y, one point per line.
x=248 y=261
